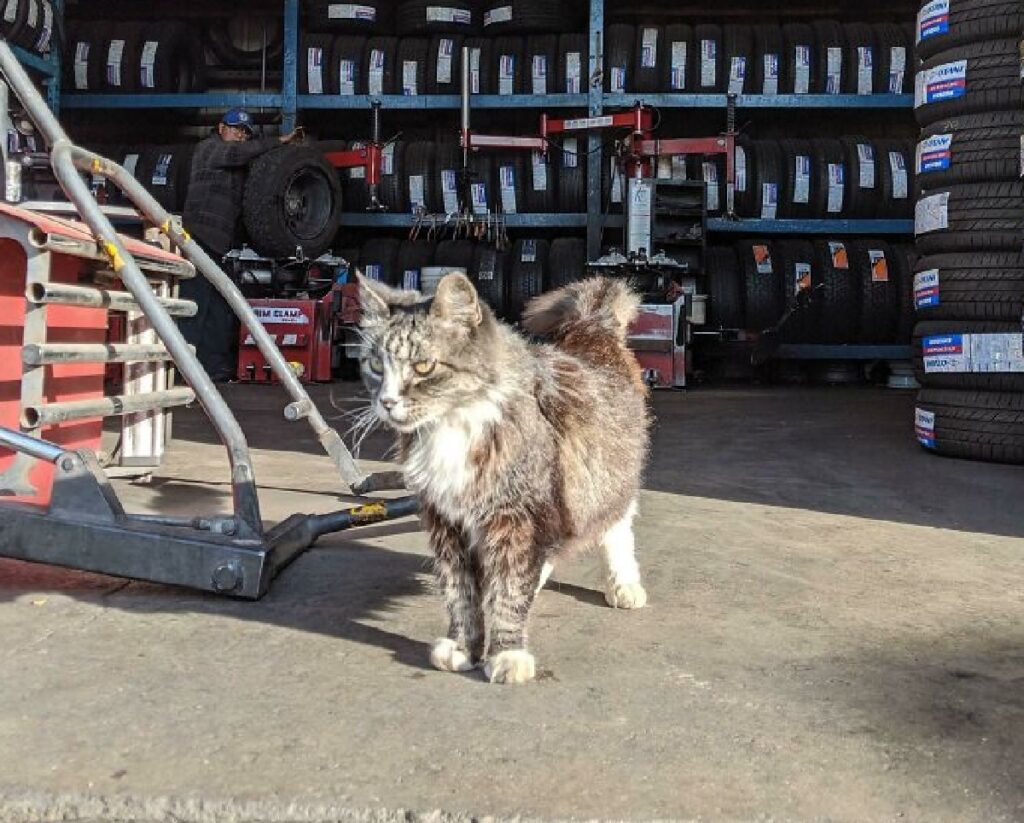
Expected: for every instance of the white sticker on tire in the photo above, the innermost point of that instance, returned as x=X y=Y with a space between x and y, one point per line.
x=82 y=66
x=678 y=68
x=148 y=64
x=115 y=51
x=444 y=14
x=315 y=69
x=801 y=69
x=347 y=77
x=528 y=253
x=450 y=190
x=708 y=63
x=649 y=48
x=474 y=70
x=897 y=69
x=478 y=195
x=539 y=74
x=900 y=179
x=973 y=353
x=679 y=167
x=410 y=70
x=740 y=171
x=502 y=14
x=160 y=171
x=771 y=74
x=737 y=75
x=387 y=159
x=46 y=31
x=507 y=187
x=836 y=187
x=618 y=79
x=932 y=213
x=945 y=82
x=445 y=52
x=351 y=11
x=711 y=181
x=801 y=179
x=372 y=271
x=375 y=79
x=935 y=153
x=834 y=69
x=924 y=428
x=131 y=162
x=11 y=10
x=865 y=70
x=933 y=20
x=866 y=156
x=417 y=199
x=573 y=72
x=540 y=171
x=506 y=74
x=926 y=289
x=570 y=155
x=769 y=200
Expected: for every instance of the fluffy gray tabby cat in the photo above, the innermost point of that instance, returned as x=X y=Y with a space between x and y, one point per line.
x=521 y=453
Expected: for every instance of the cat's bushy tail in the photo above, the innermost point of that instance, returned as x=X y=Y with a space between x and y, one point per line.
x=597 y=309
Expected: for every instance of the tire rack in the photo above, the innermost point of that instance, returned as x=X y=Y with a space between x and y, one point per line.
x=595 y=101
x=48 y=67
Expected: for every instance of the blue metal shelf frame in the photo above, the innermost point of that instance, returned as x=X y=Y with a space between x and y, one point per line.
x=748 y=226
x=174 y=101
x=48 y=67
x=765 y=101
x=442 y=101
x=513 y=221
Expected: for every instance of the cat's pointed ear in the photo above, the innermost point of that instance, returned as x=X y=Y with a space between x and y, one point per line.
x=377 y=299
x=457 y=300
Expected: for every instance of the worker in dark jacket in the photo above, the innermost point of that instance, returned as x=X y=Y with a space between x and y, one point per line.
x=213 y=216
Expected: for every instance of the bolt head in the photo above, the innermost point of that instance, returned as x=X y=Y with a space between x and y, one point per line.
x=227 y=577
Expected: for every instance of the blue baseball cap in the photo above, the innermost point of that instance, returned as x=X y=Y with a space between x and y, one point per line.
x=238 y=117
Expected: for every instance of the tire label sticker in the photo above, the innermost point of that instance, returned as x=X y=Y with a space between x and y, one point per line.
x=708 y=67
x=443 y=14
x=879 y=266
x=315 y=69
x=771 y=74
x=834 y=66
x=357 y=172
x=148 y=64
x=506 y=73
x=802 y=179
x=840 y=257
x=932 y=213
x=763 y=259
x=618 y=79
x=737 y=75
x=114 y=54
x=897 y=69
x=474 y=70
x=973 y=353
x=711 y=181
x=663 y=170
x=416 y=197
x=926 y=289
x=488 y=259
x=347 y=77
x=900 y=179
x=351 y=11
x=450 y=190
x=540 y=74
x=375 y=82
x=836 y=187
x=649 y=48
x=573 y=72
x=865 y=65
x=43 y=43
x=372 y=271
x=540 y=171
x=769 y=200
x=741 y=169
x=529 y=252
x=866 y=156
x=570 y=157
x=802 y=69
x=945 y=82
x=131 y=162
x=410 y=68
x=387 y=159
x=411 y=279
x=678 y=167
x=82 y=66
x=638 y=228
x=678 y=73
x=502 y=14
x=33 y=13
x=933 y=19
x=478 y=194
x=160 y=173
x=445 y=51
x=935 y=153
x=801 y=276
x=924 y=427
x=11 y=11
x=616 y=178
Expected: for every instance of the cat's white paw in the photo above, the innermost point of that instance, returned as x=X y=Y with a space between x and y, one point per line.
x=626 y=596
x=514 y=666
x=446 y=655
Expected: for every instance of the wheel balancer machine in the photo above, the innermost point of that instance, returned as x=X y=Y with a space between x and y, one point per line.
x=57 y=280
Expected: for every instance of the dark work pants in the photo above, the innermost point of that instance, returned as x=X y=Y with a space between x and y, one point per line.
x=214 y=329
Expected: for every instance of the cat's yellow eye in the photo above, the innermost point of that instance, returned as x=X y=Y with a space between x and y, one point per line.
x=423 y=367
x=376 y=365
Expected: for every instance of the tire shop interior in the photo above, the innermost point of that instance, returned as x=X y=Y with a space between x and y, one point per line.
x=821 y=206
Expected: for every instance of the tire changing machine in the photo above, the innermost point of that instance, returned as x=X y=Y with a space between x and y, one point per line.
x=60 y=507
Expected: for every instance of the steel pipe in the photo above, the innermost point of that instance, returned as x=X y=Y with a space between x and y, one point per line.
x=43 y=354
x=99 y=298
x=32 y=446
x=49 y=414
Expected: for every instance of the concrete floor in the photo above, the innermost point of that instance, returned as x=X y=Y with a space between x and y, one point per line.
x=835 y=632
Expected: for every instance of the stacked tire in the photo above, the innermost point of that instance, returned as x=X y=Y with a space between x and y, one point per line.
x=969 y=224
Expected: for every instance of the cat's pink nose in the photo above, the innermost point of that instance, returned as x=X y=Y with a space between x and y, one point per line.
x=389 y=402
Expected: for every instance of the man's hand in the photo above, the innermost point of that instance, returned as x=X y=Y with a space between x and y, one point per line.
x=295 y=134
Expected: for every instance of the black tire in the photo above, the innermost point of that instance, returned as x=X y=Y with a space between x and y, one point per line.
x=436 y=16
x=979 y=286
x=762 y=284
x=799 y=182
x=530 y=16
x=895 y=55
x=85 y=57
x=510 y=182
x=978 y=217
x=840 y=296
x=393 y=185
x=12 y=21
x=797 y=263
x=992 y=81
x=969 y=21
x=38 y=26
x=725 y=285
x=738 y=42
x=880 y=292
x=1010 y=381
x=490 y=275
x=364 y=17
x=799 y=59
x=355 y=192
x=314 y=64
x=680 y=58
x=710 y=72
x=482 y=193
x=540 y=67
x=973 y=148
x=292 y=199
x=238 y=41
x=455 y=254
x=570 y=160
x=507 y=70
x=712 y=167
x=972 y=425
x=347 y=64
x=480 y=64
x=830 y=46
x=380 y=71
x=527 y=280
x=413 y=256
x=619 y=43
x=411 y=66
x=766 y=77
x=862 y=71
x=446 y=181
x=567 y=261
x=573 y=72
x=648 y=58
x=160 y=170
x=539 y=183
x=895 y=159
x=444 y=64
x=830 y=174
x=769 y=183
x=863 y=178
x=378 y=259
x=745 y=163
x=905 y=258
x=119 y=56
x=171 y=59
x=420 y=176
